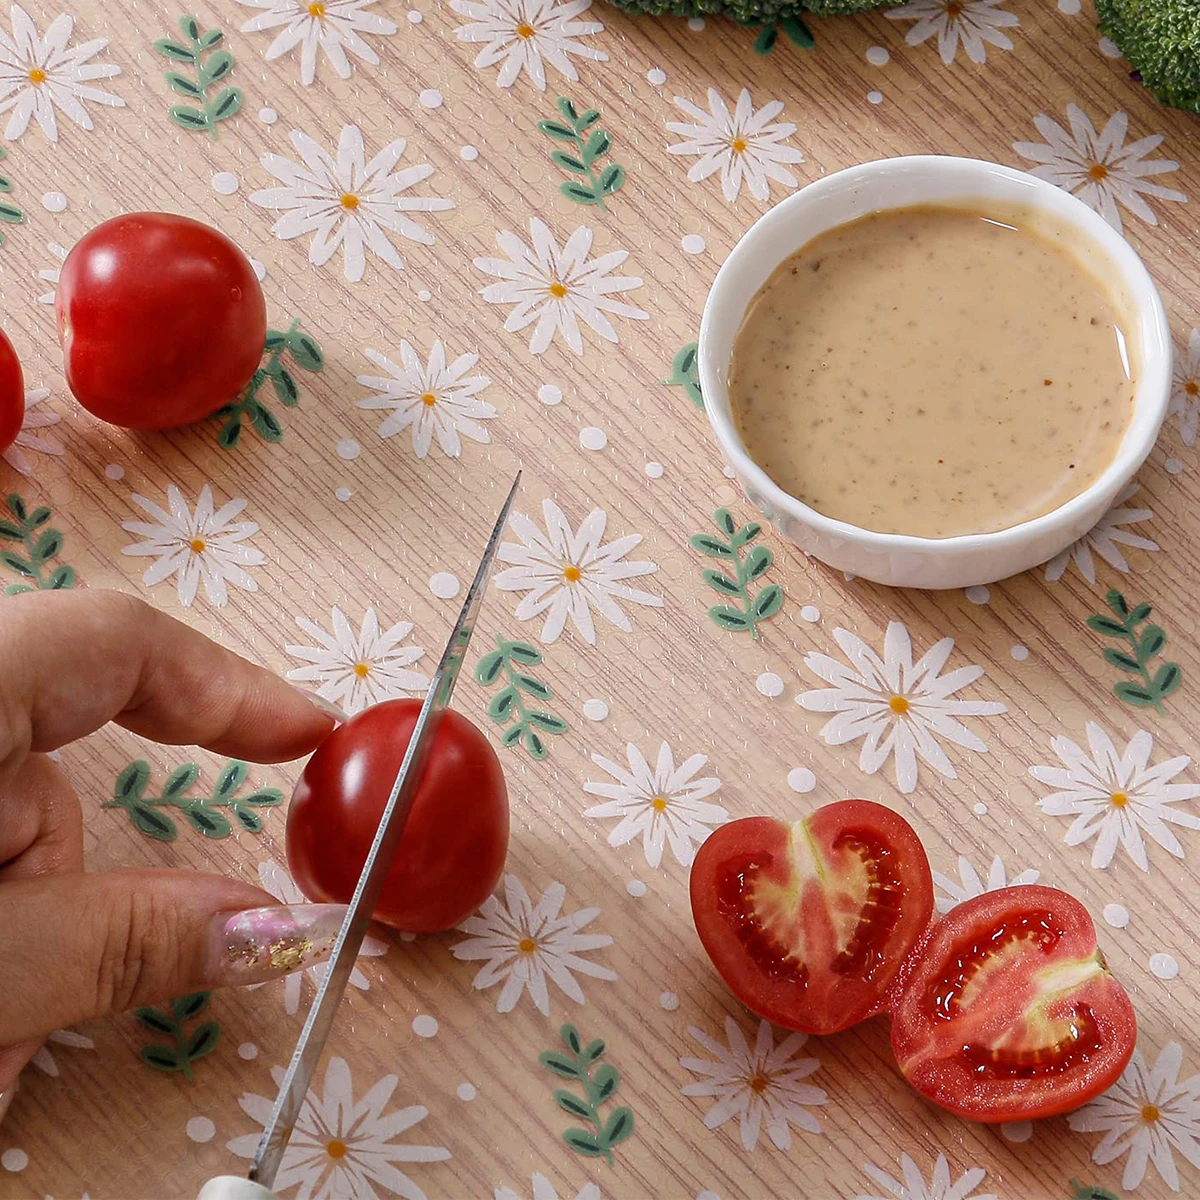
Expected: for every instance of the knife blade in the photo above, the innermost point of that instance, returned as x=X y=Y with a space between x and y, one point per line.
x=298 y=1077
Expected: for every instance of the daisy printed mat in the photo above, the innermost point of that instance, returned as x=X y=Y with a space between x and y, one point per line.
x=486 y=229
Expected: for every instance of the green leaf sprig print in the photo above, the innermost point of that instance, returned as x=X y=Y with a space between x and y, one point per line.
x=38 y=544
x=200 y=51
x=304 y=352
x=1083 y=1191
x=685 y=373
x=1146 y=642
x=509 y=663
x=742 y=567
x=202 y=813
x=170 y=1021
x=797 y=33
x=10 y=214
x=599 y=1083
x=592 y=183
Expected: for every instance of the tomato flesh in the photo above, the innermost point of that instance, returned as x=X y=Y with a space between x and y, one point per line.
x=161 y=319
x=1007 y=1010
x=808 y=923
x=12 y=394
x=454 y=844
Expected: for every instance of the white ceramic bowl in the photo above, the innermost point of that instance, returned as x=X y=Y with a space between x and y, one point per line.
x=895 y=559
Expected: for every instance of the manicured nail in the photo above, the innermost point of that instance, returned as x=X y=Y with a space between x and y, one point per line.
x=264 y=943
x=6 y=1098
x=330 y=710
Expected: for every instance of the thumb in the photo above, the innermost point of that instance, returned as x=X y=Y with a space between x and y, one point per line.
x=73 y=947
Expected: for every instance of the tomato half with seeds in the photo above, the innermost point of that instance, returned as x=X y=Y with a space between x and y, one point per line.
x=1008 y=1012
x=808 y=922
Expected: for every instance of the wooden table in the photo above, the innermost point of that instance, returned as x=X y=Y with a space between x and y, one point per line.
x=433 y=1086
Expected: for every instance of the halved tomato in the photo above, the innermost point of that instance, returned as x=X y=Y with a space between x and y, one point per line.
x=1007 y=1010
x=809 y=922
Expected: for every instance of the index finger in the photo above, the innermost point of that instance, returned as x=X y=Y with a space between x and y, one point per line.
x=70 y=661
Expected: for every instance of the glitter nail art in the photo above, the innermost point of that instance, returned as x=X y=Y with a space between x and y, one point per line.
x=264 y=943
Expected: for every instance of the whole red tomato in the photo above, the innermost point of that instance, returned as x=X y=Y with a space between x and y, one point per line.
x=161 y=320
x=12 y=394
x=454 y=844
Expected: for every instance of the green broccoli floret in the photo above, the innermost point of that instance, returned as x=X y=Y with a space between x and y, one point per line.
x=1161 y=40
x=751 y=12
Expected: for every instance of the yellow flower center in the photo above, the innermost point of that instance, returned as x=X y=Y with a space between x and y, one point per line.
x=429 y=399
x=197 y=545
x=349 y=201
x=524 y=31
x=1099 y=172
x=335 y=1148
x=1150 y=1113
x=1118 y=799
x=316 y=10
x=659 y=804
x=362 y=670
x=954 y=8
x=37 y=75
x=572 y=574
x=527 y=945
x=738 y=145
x=759 y=1083
x=558 y=290
x=1192 y=388
x=898 y=705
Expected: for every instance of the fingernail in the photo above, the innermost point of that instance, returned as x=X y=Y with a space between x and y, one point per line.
x=6 y=1098
x=263 y=943
x=330 y=710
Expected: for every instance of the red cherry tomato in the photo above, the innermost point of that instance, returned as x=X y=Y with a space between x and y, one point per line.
x=12 y=394
x=161 y=320
x=1008 y=1011
x=454 y=844
x=808 y=923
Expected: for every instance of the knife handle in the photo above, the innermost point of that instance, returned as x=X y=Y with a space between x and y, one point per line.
x=234 y=1187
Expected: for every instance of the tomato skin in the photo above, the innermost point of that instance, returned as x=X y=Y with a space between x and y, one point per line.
x=456 y=839
x=782 y=956
x=945 y=1046
x=161 y=320
x=12 y=393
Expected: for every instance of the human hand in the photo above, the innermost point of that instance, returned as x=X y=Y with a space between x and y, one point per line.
x=76 y=945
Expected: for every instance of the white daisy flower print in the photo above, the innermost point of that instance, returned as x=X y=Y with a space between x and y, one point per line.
x=280 y=884
x=356 y=670
x=949 y=893
x=897 y=707
x=342 y=1146
x=1149 y=1115
x=44 y=1059
x=543 y=1189
x=940 y=1186
x=1100 y=168
x=1185 y=389
x=553 y=290
x=28 y=438
x=435 y=399
x=335 y=27
x=1115 y=796
x=525 y=35
x=762 y=1085
x=569 y=574
x=746 y=146
x=346 y=202
x=525 y=944
x=41 y=76
x=51 y=275
x=203 y=546
x=971 y=22
x=1106 y=540
x=665 y=805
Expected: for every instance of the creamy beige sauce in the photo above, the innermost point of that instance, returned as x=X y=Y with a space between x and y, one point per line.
x=928 y=371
